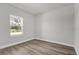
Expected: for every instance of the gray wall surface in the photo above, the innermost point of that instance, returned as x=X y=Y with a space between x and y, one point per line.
x=56 y=25
x=28 y=28
x=77 y=28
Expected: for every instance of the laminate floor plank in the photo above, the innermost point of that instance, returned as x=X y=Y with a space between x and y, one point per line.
x=38 y=47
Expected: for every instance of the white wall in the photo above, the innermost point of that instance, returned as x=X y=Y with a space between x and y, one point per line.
x=28 y=19
x=77 y=28
x=56 y=25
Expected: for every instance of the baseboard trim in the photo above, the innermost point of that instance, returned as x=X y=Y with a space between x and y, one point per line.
x=12 y=44
x=56 y=42
x=76 y=50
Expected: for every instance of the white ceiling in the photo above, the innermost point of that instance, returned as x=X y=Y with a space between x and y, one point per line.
x=37 y=8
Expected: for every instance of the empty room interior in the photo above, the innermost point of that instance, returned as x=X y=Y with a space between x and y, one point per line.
x=39 y=28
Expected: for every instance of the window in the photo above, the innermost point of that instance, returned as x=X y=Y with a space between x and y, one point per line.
x=16 y=25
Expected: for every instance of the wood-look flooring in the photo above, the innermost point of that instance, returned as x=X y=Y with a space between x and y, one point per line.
x=38 y=47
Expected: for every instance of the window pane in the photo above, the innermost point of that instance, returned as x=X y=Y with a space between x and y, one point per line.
x=16 y=25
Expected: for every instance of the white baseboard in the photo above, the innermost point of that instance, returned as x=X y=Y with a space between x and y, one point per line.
x=76 y=50
x=56 y=42
x=12 y=44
